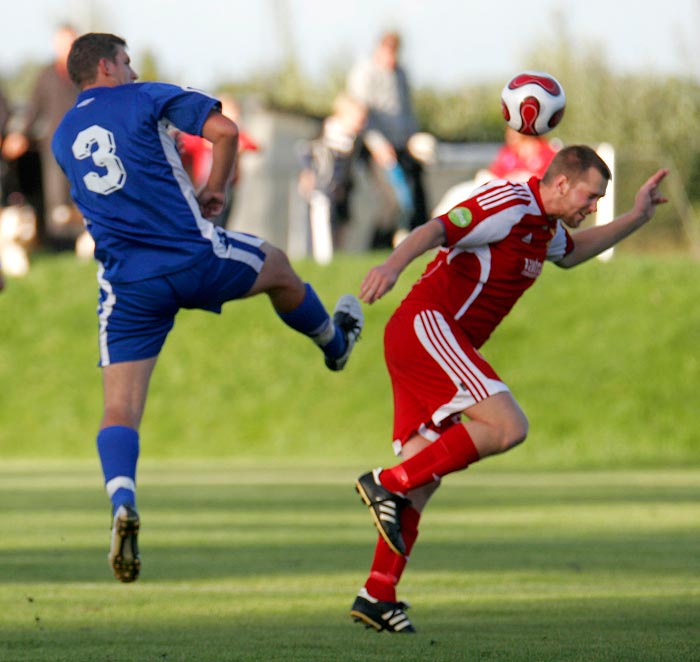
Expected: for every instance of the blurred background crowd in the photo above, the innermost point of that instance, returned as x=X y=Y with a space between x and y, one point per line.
x=357 y=162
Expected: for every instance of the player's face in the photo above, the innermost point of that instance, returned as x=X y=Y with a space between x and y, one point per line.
x=582 y=197
x=120 y=70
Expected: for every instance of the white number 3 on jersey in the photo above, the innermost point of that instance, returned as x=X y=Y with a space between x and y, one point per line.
x=97 y=143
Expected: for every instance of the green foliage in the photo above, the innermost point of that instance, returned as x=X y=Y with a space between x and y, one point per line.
x=17 y=86
x=261 y=561
x=651 y=121
x=148 y=66
x=289 y=90
x=603 y=359
x=472 y=114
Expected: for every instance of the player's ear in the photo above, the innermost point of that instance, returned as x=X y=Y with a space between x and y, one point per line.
x=104 y=66
x=562 y=184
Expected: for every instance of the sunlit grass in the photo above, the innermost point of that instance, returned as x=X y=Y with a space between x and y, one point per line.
x=260 y=561
x=603 y=359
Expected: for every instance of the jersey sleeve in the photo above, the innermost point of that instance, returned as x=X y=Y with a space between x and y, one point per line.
x=460 y=221
x=561 y=245
x=184 y=107
x=489 y=214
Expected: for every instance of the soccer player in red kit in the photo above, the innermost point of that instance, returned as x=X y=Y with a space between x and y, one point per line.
x=450 y=406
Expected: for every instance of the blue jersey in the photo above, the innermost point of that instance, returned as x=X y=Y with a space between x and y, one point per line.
x=128 y=181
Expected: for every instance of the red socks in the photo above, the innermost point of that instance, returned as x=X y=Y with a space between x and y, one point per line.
x=452 y=451
x=387 y=567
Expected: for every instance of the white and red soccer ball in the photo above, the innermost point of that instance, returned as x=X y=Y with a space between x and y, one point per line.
x=533 y=102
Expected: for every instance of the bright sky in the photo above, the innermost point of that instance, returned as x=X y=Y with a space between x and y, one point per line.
x=446 y=42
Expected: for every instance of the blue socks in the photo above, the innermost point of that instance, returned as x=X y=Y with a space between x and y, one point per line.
x=118 y=448
x=312 y=319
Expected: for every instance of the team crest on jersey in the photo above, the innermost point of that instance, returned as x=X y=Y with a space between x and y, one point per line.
x=460 y=216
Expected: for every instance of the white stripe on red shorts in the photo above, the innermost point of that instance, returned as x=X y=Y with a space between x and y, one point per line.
x=459 y=363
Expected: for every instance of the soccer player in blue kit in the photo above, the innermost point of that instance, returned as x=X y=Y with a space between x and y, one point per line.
x=157 y=252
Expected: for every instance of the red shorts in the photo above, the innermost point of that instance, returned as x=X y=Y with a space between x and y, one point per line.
x=436 y=373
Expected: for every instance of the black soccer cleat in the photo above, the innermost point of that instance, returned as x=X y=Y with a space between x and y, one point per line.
x=124 y=551
x=385 y=507
x=347 y=317
x=389 y=616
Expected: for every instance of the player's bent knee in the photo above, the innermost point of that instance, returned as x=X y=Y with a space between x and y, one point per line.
x=277 y=274
x=515 y=435
x=515 y=438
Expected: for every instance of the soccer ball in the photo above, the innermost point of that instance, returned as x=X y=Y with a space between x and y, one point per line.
x=533 y=102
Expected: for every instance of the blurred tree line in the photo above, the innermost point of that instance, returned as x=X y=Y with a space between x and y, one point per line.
x=652 y=121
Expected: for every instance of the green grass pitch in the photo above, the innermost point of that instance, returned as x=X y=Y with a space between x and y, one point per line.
x=254 y=562
x=580 y=545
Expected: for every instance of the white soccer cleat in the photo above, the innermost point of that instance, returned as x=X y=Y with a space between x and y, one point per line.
x=349 y=318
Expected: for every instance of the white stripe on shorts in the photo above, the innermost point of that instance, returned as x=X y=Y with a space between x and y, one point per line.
x=104 y=311
x=232 y=252
x=471 y=384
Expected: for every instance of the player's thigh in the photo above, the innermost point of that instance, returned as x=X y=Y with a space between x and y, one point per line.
x=134 y=319
x=435 y=371
x=503 y=413
x=277 y=276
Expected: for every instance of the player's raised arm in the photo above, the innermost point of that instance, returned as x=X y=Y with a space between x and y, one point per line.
x=380 y=279
x=223 y=135
x=594 y=240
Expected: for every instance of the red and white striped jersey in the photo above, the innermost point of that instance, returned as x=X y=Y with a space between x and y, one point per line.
x=497 y=242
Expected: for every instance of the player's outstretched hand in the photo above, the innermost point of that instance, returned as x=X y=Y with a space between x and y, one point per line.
x=378 y=281
x=649 y=197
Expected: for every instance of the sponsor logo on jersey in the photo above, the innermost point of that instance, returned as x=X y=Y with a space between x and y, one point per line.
x=460 y=216
x=532 y=268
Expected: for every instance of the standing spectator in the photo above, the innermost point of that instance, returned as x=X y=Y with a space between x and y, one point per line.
x=54 y=94
x=4 y=116
x=492 y=248
x=326 y=178
x=157 y=251
x=4 y=119
x=381 y=84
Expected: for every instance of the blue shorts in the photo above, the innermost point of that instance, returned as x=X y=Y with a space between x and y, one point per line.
x=135 y=318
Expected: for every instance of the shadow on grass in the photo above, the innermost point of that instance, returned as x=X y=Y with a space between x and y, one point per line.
x=568 y=630
x=265 y=498
x=628 y=554
x=211 y=531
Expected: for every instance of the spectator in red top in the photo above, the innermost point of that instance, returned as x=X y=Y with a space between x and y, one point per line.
x=521 y=157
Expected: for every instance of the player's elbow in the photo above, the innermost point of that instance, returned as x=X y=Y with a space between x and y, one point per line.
x=219 y=128
x=566 y=262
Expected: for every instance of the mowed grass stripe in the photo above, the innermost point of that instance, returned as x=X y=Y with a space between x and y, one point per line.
x=565 y=566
